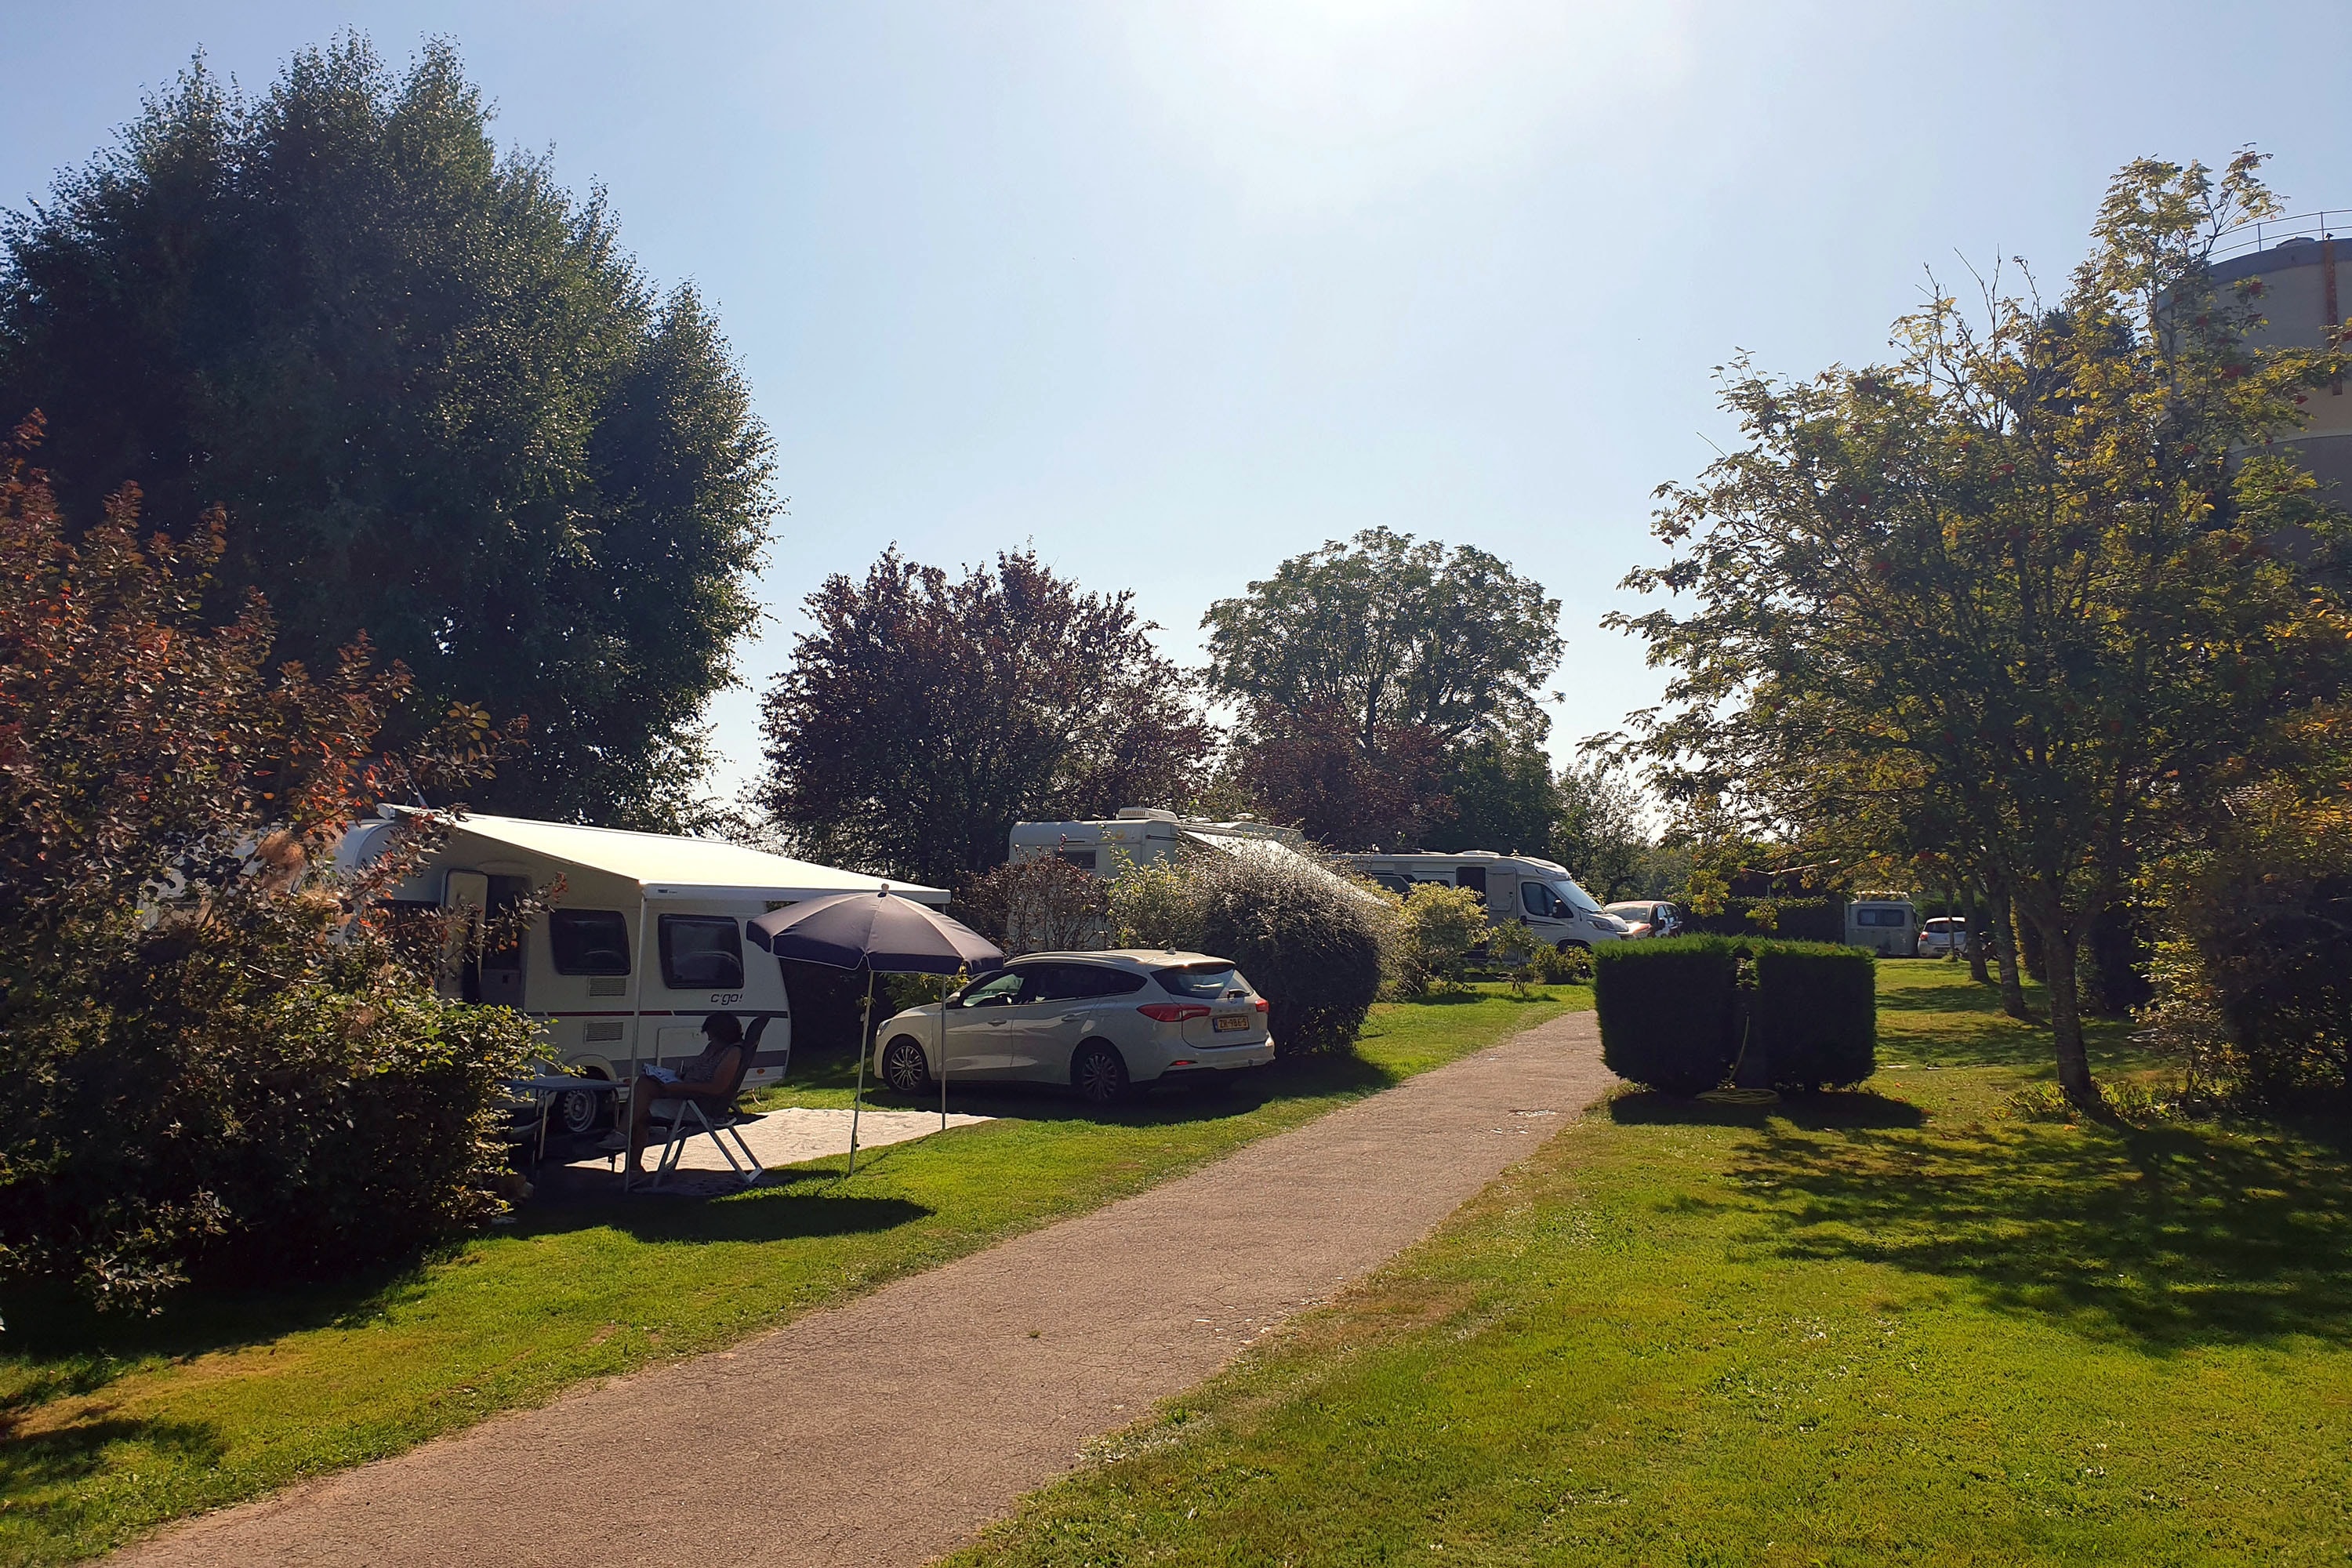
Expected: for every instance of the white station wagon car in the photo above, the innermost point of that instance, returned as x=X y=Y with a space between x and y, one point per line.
x=1096 y=1021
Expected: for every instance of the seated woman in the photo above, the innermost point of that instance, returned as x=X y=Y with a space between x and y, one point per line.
x=659 y=1090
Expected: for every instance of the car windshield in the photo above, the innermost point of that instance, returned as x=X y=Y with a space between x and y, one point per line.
x=1205 y=982
x=1576 y=897
x=991 y=989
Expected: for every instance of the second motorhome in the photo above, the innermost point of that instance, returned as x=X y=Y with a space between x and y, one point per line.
x=1515 y=888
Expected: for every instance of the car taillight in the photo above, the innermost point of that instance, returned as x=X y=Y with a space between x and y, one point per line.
x=1263 y=1005
x=1172 y=1011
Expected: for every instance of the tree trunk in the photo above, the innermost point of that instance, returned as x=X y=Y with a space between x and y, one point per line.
x=2004 y=953
x=2058 y=956
x=1973 y=912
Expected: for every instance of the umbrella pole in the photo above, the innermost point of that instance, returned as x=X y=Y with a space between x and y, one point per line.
x=865 y=1029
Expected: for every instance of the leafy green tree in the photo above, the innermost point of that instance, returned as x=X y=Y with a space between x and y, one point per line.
x=1389 y=633
x=1373 y=675
x=2012 y=597
x=925 y=715
x=438 y=402
x=1311 y=771
x=1497 y=795
x=1601 y=831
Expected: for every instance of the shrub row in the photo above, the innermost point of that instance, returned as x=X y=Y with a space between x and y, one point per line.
x=1676 y=1015
x=1816 y=919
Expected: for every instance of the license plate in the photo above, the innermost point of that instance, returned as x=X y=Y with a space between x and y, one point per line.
x=1232 y=1021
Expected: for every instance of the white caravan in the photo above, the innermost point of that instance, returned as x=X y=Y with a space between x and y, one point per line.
x=645 y=940
x=1887 y=924
x=1517 y=888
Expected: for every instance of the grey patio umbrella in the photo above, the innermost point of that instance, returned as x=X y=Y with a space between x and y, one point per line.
x=881 y=935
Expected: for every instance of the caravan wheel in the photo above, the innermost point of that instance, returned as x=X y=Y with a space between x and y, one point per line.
x=581 y=1111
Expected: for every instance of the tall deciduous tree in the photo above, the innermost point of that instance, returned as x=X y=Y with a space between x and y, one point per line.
x=1497 y=794
x=926 y=714
x=1372 y=673
x=2011 y=599
x=1389 y=633
x=1312 y=771
x=438 y=402
x=1601 y=833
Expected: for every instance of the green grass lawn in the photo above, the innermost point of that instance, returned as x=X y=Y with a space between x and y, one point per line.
x=1902 y=1325
x=110 y=1428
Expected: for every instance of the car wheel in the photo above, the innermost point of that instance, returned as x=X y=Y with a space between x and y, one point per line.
x=579 y=1110
x=1099 y=1075
x=1573 y=945
x=904 y=1067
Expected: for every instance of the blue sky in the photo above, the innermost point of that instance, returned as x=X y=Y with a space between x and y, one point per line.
x=1175 y=291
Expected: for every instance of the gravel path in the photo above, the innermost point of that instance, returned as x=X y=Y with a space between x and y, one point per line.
x=889 y=1430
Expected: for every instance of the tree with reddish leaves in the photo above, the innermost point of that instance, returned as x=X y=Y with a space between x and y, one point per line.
x=1313 y=771
x=926 y=714
x=215 y=1051
x=1375 y=676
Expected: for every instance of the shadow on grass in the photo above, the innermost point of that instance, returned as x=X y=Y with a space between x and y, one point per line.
x=54 y=1455
x=1158 y=1105
x=2164 y=1237
x=1849 y=1111
x=1941 y=1018
x=788 y=1206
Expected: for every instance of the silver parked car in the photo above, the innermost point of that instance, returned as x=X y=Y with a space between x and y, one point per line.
x=1941 y=935
x=1649 y=917
x=1099 y=1022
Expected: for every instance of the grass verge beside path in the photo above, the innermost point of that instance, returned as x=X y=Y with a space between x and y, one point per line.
x=1892 y=1326
x=109 y=1428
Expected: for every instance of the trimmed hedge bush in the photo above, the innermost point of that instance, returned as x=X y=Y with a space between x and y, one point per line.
x=1668 y=1011
x=1814 y=1013
x=1794 y=920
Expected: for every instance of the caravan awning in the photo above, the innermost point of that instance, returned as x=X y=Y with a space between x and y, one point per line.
x=667 y=867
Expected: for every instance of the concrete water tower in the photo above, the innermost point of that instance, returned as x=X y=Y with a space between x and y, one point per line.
x=2298 y=260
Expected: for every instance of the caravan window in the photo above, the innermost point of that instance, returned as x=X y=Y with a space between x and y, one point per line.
x=1882 y=915
x=701 y=953
x=588 y=942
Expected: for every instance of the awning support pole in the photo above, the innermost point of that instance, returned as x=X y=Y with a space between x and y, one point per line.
x=638 y=994
x=864 y=1046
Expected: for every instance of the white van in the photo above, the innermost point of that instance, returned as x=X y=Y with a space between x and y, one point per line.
x=645 y=940
x=1517 y=888
x=1887 y=924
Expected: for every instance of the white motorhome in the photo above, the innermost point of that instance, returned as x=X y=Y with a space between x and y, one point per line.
x=645 y=939
x=1139 y=834
x=1517 y=888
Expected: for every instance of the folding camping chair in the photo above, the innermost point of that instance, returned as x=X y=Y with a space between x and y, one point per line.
x=711 y=1116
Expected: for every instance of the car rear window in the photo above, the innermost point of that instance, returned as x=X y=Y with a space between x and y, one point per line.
x=1206 y=982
